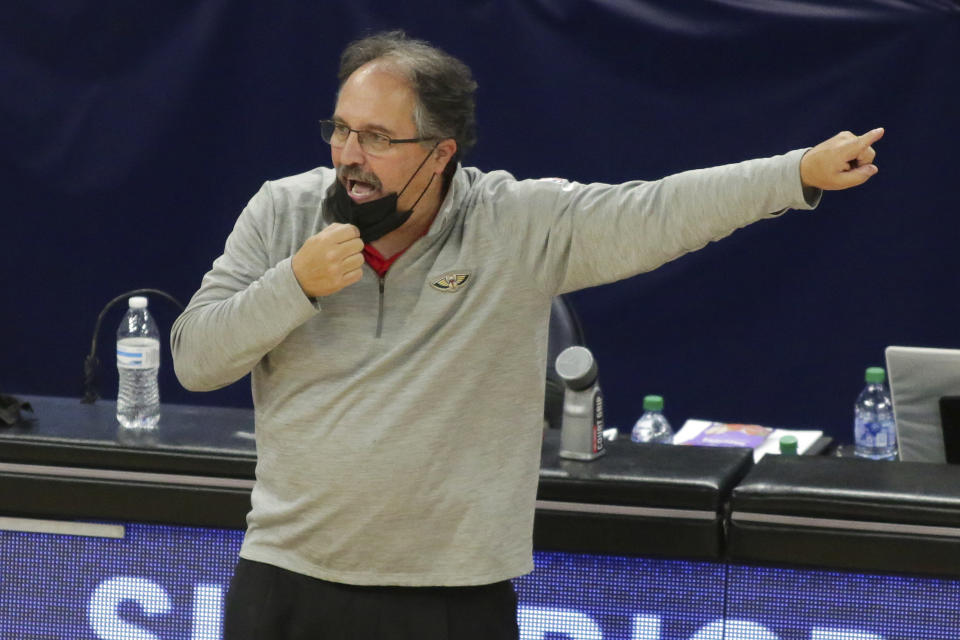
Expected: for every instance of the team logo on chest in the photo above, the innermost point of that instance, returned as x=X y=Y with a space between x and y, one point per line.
x=450 y=282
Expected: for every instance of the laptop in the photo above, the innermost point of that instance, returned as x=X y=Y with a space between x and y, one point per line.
x=925 y=386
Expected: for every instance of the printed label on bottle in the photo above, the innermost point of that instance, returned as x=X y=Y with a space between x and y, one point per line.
x=597 y=422
x=138 y=353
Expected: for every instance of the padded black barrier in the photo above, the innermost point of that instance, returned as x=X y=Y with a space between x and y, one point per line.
x=67 y=463
x=637 y=499
x=213 y=441
x=848 y=513
x=123 y=499
x=656 y=500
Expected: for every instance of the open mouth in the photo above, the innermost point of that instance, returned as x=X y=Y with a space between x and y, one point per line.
x=360 y=190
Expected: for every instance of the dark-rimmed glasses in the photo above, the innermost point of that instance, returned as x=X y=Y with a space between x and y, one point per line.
x=336 y=133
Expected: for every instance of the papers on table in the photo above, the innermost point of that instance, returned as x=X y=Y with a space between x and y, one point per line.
x=762 y=440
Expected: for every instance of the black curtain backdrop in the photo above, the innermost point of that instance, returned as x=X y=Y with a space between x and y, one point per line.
x=133 y=134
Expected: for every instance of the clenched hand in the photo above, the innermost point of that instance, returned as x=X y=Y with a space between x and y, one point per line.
x=330 y=260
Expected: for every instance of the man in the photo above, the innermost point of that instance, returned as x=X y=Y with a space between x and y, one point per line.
x=393 y=312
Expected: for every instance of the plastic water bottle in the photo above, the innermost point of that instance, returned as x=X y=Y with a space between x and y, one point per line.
x=138 y=360
x=874 y=429
x=652 y=425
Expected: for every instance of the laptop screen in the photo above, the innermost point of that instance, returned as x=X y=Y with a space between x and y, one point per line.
x=919 y=378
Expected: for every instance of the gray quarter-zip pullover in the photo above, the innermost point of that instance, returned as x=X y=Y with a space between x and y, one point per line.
x=398 y=431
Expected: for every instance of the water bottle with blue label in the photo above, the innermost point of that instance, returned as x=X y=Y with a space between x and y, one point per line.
x=138 y=361
x=874 y=428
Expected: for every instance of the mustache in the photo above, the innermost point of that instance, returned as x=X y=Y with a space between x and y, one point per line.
x=354 y=172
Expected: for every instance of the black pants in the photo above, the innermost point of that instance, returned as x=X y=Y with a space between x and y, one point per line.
x=268 y=603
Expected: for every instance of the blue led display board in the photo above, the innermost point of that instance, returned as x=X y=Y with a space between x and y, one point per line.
x=585 y=597
x=168 y=583
x=156 y=582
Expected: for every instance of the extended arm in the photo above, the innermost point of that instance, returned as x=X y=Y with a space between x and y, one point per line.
x=583 y=235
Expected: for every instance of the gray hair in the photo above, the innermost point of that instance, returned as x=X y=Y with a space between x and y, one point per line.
x=443 y=85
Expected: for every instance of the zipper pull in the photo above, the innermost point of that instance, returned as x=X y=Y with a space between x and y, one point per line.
x=380 y=310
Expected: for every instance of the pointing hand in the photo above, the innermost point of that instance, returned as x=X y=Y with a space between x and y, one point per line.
x=843 y=161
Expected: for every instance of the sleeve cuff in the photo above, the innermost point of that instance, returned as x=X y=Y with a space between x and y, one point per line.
x=292 y=286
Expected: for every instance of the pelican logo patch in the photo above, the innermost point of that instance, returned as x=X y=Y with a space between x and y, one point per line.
x=450 y=282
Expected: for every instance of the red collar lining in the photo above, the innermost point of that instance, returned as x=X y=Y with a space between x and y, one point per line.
x=376 y=260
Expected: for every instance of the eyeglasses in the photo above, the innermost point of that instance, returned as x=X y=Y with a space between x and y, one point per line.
x=336 y=133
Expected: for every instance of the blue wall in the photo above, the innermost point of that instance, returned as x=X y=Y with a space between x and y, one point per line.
x=132 y=138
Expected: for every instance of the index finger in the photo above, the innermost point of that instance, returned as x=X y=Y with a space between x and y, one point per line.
x=870 y=137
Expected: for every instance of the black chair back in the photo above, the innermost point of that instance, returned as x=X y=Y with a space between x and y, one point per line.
x=565 y=331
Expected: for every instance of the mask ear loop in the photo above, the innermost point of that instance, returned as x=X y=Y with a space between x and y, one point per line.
x=423 y=193
x=423 y=162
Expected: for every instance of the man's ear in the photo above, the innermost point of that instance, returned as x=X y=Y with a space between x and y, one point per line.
x=445 y=150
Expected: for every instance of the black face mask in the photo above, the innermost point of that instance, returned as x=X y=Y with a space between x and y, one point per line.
x=376 y=218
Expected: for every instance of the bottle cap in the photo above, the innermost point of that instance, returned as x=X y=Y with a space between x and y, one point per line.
x=788 y=445
x=138 y=302
x=576 y=367
x=876 y=375
x=653 y=403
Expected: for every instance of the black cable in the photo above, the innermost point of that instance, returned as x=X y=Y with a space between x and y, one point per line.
x=91 y=365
